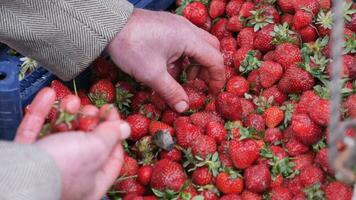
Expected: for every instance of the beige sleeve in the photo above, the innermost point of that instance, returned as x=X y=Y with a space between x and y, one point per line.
x=27 y=173
x=63 y=35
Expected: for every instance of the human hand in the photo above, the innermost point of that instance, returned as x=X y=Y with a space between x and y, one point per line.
x=89 y=163
x=152 y=41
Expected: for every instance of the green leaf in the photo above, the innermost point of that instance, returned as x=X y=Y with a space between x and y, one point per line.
x=249 y=63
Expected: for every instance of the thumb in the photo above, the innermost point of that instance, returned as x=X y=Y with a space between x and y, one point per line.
x=171 y=91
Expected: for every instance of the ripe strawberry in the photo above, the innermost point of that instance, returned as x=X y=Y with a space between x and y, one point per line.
x=287 y=55
x=247 y=195
x=219 y=29
x=230 y=197
x=186 y=132
x=197 y=84
x=240 y=55
x=225 y=160
x=237 y=85
x=228 y=57
x=60 y=89
x=263 y=39
x=228 y=43
x=139 y=99
x=217 y=8
x=233 y=7
x=229 y=106
x=139 y=126
x=102 y=92
x=311 y=175
x=167 y=174
x=243 y=153
x=144 y=174
x=267 y=12
x=201 y=119
x=319 y=112
x=278 y=181
x=281 y=193
x=305 y=130
x=296 y=80
x=229 y=184
x=209 y=195
x=229 y=72
x=235 y=24
x=202 y=176
x=302 y=19
x=246 y=8
x=312 y=5
x=338 y=190
x=308 y=34
x=255 y=121
x=84 y=99
x=273 y=135
x=254 y=81
x=273 y=116
x=196 y=12
x=257 y=178
x=246 y=37
x=273 y=92
x=306 y=99
x=270 y=73
x=287 y=18
x=216 y=130
x=173 y=155
x=350 y=105
x=130 y=186
x=302 y=161
x=325 y=4
x=196 y=99
x=286 y=6
x=130 y=166
x=247 y=107
x=88 y=118
x=169 y=116
x=150 y=111
x=203 y=145
x=321 y=159
x=295 y=147
x=156 y=126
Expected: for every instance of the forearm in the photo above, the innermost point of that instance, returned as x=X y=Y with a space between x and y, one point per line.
x=26 y=172
x=63 y=35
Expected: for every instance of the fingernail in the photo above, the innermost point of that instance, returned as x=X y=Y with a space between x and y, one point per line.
x=181 y=106
x=125 y=130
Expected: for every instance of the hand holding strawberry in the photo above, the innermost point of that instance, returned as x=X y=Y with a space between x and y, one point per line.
x=95 y=157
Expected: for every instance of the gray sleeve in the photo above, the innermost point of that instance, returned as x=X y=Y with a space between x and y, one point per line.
x=63 y=35
x=27 y=173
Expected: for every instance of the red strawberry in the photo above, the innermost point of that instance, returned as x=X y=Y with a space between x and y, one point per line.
x=307 y=99
x=273 y=135
x=196 y=12
x=230 y=197
x=255 y=121
x=247 y=107
x=150 y=111
x=278 y=181
x=296 y=80
x=312 y=5
x=268 y=56
x=257 y=178
x=240 y=55
x=247 y=195
x=216 y=130
x=130 y=166
x=229 y=72
x=321 y=159
x=279 y=152
x=295 y=147
x=302 y=161
x=294 y=185
x=302 y=19
x=197 y=84
x=229 y=106
x=325 y=4
x=286 y=6
x=209 y=195
x=233 y=7
x=246 y=8
x=305 y=129
x=246 y=37
x=167 y=174
x=84 y=99
x=201 y=119
x=186 y=132
x=311 y=175
x=228 y=184
x=254 y=81
x=139 y=99
x=338 y=190
x=219 y=29
x=144 y=174
x=203 y=145
x=287 y=18
x=308 y=34
x=202 y=176
x=173 y=155
x=217 y=8
x=60 y=89
x=263 y=40
x=130 y=186
x=243 y=153
x=228 y=43
x=319 y=112
x=156 y=126
x=287 y=54
x=281 y=193
x=139 y=126
x=225 y=160
x=273 y=92
x=169 y=116
x=102 y=92
x=270 y=73
x=237 y=85
x=235 y=24
x=196 y=99
x=350 y=105
x=88 y=118
x=273 y=116
x=228 y=57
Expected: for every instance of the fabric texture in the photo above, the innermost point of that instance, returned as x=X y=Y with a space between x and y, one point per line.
x=27 y=173
x=65 y=36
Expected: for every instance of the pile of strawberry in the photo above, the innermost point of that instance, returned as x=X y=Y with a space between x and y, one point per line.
x=263 y=137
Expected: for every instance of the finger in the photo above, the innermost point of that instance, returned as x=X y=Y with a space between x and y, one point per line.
x=171 y=91
x=89 y=110
x=70 y=104
x=108 y=112
x=33 y=121
x=210 y=58
x=110 y=171
x=111 y=132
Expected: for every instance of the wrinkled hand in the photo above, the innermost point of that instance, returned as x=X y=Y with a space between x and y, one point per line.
x=88 y=163
x=152 y=41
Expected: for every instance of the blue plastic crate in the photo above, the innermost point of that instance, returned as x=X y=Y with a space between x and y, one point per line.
x=15 y=94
